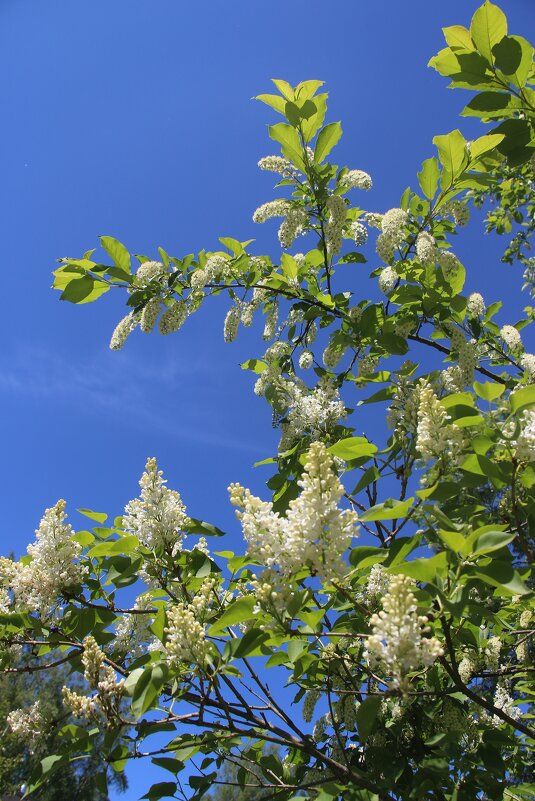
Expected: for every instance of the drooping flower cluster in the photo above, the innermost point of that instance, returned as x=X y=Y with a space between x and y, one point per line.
x=458 y=211
x=294 y=224
x=397 y=643
x=122 y=331
x=387 y=280
x=273 y=208
x=132 y=631
x=527 y=361
x=314 y=411
x=460 y=375
x=511 y=337
x=525 y=444
x=436 y=437
x=335 y=223
x=391 y=236
x=315 y=532
x=28 y=724
x=185 y=633
x=158 y=517
x=356 y=179
x=359 y=232
x=503 y=701
x=149 y=315
x=475 y=305
x=101 y=679
x=147 y=272
x=277 y=164
x=231 y=324
x=173 y=318
x=426 y=248
x=54 y=566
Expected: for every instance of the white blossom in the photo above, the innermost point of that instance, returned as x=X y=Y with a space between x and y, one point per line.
x=132 y=631
x=306 y=359
x=122 y=331
x=437 y=437
x=147 y=272
x=149 y=315
x=274 y=208
x=185 y=640
x=277 y=164
x=475 y=305
x=294 y=224
x=272 y=317
x=356 y=179
x=449 y=263
x=158 y=517
x=374 y=219
x=426 y=248
x=387 y=280
x=314 y=411
x=232 y=322
x=28 y=724
x=527 y=361
x=511 y=337
x=359 y=232
x=397 y=642
x=525 y=444
x=173 y=318
x=337 y=209
x=315 y=532
x=458 y=211
x=54 y=565
x=503 y=701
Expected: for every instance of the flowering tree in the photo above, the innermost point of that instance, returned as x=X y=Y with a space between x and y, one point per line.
x=387 y=581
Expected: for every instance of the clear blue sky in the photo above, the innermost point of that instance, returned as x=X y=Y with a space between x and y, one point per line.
x=133 y=118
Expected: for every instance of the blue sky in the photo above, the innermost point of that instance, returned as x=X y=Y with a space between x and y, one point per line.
x=134 y=118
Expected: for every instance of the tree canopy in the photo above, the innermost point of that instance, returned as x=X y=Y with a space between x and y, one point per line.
x=377 y=628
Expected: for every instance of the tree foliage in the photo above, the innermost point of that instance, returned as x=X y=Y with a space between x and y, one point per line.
x=387 y=582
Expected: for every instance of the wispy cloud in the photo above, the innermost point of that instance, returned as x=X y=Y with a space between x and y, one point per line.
x=134 y=391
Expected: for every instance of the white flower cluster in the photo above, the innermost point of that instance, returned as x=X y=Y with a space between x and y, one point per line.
x=402 y=415
x=185 y=639
x=277 y=164
x=158 y=517
x=426 y=248
x=315 y=532
x=231 y=324
x=332 y=355
x=101 y=679
x=374 y=219
x=149 y=315
x=387 y=280
x=356 y=179
x=306 y=359
x=475 y=305
x=29 y=724
x=294 y=224
x=173 y=317
x=378 y=583
x=527 y=361
x=122 y=331
x=449 y=263
x=366 y=365
x=53 y=568
x=511 y=337
x=460 y=375
x=491 y=653
x=273 y=592
x=313 y=411
x=309 y=704
x=359 y=232
x=525 y=444
x=147 y=272
x=132 y=631
x=272 y=318
x=503 y=701
x=458 y=211
x=397 y=642
x=436 y=437
x=334 y=226
x=391 y=236
x=274 y=208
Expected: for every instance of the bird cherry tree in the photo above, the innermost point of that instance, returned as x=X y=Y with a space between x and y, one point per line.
x=385 y=579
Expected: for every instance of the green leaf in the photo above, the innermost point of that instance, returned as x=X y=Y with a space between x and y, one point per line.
x=457 y=36
x=488 y=391
x=100 y=517
x=112 y=547
x=117 y=251
x=200 y=527
x=311 y=126
x=502 y=575
x=284 y=88
x=488 y=27
x=275 y=101
x=233 y=245
x=161 y=790
x=237 y=611
x=327 y=139
x=364 y=555
x=522 y=398
x=428 y=177
x=389 y=510
x=307 y=89
x=514 y=57
x=492 y=541
x=367 y=715
x=84 y=290
x=424 y=570
x=453 y=540
x=489 y=105
x=453 y=156
x=288 y=138
x=147 y=688
x=352 y=448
